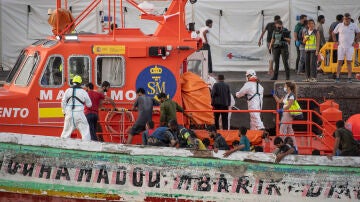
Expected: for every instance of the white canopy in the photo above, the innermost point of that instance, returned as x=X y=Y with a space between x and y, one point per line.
x=237 y=25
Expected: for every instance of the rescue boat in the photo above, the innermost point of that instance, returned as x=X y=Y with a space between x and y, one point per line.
x=126 y=57
x=75 y=169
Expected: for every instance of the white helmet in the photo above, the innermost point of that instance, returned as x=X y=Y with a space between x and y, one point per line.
x=250 y=72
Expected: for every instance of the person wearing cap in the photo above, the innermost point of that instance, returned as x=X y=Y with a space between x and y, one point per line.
x=219 y=141
x=221 y=100
x=72 y=105
x=254 y=92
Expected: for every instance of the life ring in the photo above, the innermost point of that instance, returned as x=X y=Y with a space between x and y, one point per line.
x=117 y=124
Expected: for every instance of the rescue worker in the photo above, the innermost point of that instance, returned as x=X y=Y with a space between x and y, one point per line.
x=72 y=105
x=254 y=92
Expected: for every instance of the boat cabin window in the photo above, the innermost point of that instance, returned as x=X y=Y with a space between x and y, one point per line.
x=79 y=65
x=53 y=74
x=197 y=64
x=16 y=67
x=111 y=69
x=28 y=69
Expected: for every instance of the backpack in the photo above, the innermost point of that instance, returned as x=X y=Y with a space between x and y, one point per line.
x=300 y=34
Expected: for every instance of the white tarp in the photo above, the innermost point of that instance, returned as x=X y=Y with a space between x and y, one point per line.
x=234 y=36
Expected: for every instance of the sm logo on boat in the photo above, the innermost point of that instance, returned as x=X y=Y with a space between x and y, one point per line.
x=155 y=79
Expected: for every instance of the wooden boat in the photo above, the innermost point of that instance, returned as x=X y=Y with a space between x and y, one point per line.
x=53 y=166
x=35 y=160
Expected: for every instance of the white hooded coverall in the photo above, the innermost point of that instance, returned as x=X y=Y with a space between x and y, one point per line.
x=75 y=118
x=256 y=103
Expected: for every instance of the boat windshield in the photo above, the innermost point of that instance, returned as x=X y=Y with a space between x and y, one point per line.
x=27 y=71
x=16 y=67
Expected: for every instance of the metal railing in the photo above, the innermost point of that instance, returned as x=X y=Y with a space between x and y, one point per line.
x=116 y=130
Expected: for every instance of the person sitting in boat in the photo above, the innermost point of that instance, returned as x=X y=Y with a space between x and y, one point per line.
x=289 y=141
x=243 y=145
x=206 y=142
x=199 y=145
x=315 y=152
x=148 y=132
x=219 y=141
x=162 y=136
x=186 y=138
x=344 y=141
x=282 y=149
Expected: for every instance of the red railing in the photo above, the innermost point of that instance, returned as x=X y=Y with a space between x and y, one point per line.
x=306 y=138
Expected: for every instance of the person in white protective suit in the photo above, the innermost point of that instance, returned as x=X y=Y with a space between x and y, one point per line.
x=72 y=105
x=254 y=93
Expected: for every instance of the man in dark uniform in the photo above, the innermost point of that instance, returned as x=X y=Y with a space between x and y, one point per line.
x=220 y=100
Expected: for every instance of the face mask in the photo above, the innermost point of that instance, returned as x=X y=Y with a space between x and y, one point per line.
x=285 y=89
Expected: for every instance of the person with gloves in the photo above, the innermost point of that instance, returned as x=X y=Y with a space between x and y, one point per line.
x=254 y=92
x=72 y=105
x=287 y=100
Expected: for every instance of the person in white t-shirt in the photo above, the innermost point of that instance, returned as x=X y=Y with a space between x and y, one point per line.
x=204 y=35
x=348 y=37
